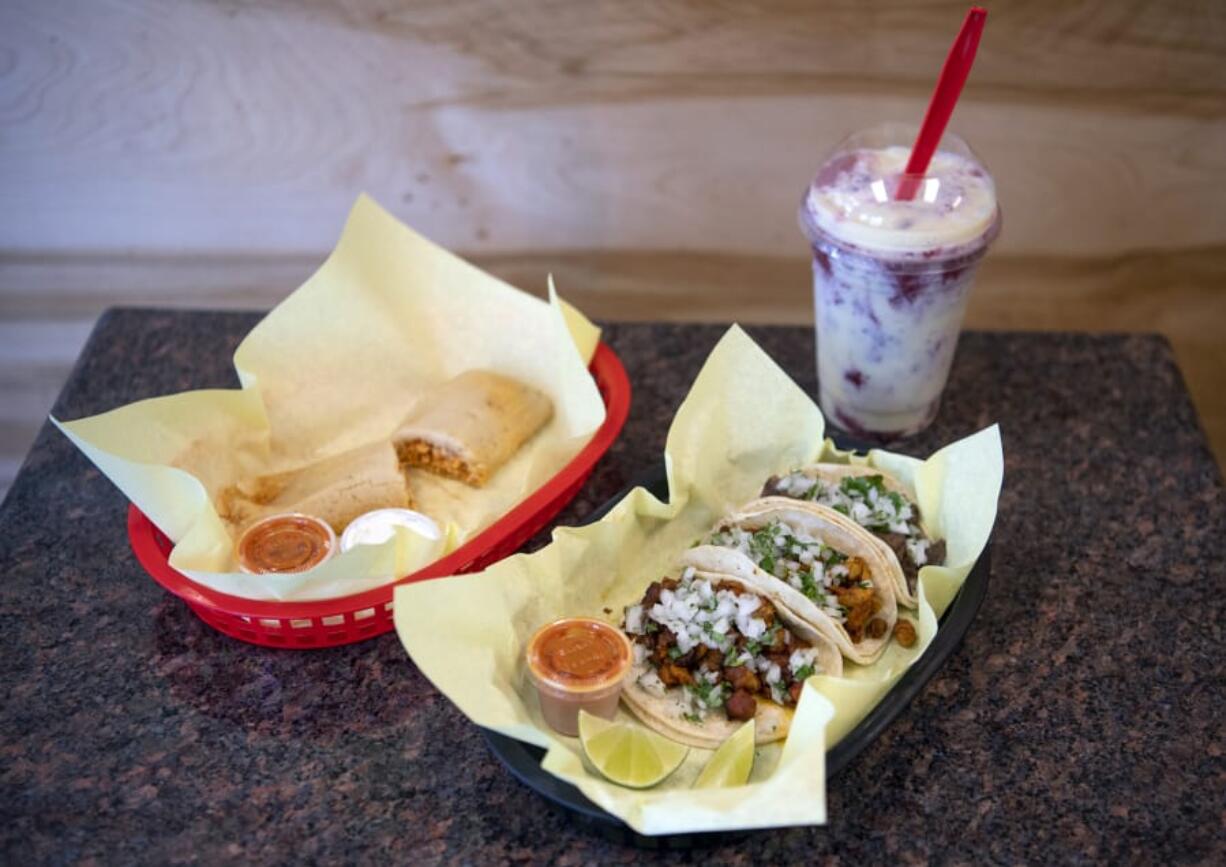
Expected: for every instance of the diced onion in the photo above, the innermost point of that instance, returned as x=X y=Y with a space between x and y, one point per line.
x=802 y=657
x=651 y=682
x=918 y=549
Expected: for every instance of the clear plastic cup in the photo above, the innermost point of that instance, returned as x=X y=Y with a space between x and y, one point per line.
x=291 y=542
x=377 y=526
x=578 y=664
x=891 y=278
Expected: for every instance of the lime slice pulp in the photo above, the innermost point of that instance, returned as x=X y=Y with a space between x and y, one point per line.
x=732 y=762
x=628 y=754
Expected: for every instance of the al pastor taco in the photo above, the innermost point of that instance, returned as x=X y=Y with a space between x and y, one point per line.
x=824 y=567
x=711 y=651
x=875 y=501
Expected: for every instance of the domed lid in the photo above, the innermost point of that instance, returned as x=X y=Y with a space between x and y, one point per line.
x=854 y=197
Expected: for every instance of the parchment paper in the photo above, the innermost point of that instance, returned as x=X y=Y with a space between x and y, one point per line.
x=337 y=365
x=743 y=420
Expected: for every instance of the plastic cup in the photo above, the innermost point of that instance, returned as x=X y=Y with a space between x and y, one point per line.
x=891 y=278
x=379 y=525
x=578 y=664
x=291 y=542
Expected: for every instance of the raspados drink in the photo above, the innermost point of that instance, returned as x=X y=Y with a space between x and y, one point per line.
x=891 y=278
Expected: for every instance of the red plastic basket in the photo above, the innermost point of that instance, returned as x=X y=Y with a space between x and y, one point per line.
x=346 y=619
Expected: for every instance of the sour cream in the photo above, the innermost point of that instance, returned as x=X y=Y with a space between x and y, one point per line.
x=375 y=528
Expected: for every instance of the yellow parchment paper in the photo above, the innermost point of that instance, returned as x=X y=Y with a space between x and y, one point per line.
x=743 y=420
x=337 y=365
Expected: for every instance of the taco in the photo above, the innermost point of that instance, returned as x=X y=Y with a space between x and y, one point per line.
x=711 y=651
x=820 y=564
x=875 y=501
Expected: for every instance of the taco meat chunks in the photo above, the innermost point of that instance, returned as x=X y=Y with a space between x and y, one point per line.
x=874 y=504
x=742 y=678
x=741 y=705
x=724 y=645
x=861 y=603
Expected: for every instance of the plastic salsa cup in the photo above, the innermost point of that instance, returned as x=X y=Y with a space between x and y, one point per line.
x=291 y=542
x=578 y=664
x=379 y=525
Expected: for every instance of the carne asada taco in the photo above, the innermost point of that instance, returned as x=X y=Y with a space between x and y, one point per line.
x=823 y=566
x=713 y=650
x=875 y=501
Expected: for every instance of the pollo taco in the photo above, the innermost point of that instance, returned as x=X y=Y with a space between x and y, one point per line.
x=824 y=567
x=712 y=650
x=875 y=501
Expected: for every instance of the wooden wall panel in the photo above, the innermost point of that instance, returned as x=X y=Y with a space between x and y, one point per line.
x=650 y=153
x=250 y=128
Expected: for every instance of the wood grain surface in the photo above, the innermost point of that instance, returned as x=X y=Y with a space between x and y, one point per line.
x=649 y=154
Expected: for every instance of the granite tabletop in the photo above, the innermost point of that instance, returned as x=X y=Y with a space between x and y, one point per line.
x=1080 y=720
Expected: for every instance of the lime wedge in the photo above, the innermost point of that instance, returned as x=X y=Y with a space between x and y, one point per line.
x=628 y=754
x=732 y=762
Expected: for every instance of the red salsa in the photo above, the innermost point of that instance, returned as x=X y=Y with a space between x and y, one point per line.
x=578 y=663
x=285 y=543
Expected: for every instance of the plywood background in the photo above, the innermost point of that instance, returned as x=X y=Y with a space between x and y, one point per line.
x=650 y=154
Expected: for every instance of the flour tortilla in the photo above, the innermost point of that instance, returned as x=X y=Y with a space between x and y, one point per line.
x=772 y=721
x=832 y=528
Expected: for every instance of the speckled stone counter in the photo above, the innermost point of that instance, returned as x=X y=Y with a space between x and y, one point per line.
x=1081 y=719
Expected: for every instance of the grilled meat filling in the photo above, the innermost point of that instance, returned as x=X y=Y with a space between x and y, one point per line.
x=841 y=586
x=865 y=499
x=725 y=647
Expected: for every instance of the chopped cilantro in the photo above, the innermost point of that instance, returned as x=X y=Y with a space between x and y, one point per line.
x=897 y=500
x=692 y=717
x=710 y=694
x=772 y=634
x=803 y=673
x=839 y=507
x=767 y=563
x=762 y=543
x=808 y=585
x=853 y=485
x=861 y=485
x=674 y=652
x=652 y=626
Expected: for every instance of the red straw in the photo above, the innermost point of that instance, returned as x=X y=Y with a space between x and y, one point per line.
x=949 y=87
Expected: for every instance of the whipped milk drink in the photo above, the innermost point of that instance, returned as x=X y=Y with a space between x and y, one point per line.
x=891 y=278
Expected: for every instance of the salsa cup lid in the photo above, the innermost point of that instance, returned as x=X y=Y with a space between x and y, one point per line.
x=579 y=656
x=379 y=525
x=854 y=199
x=288 y=542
